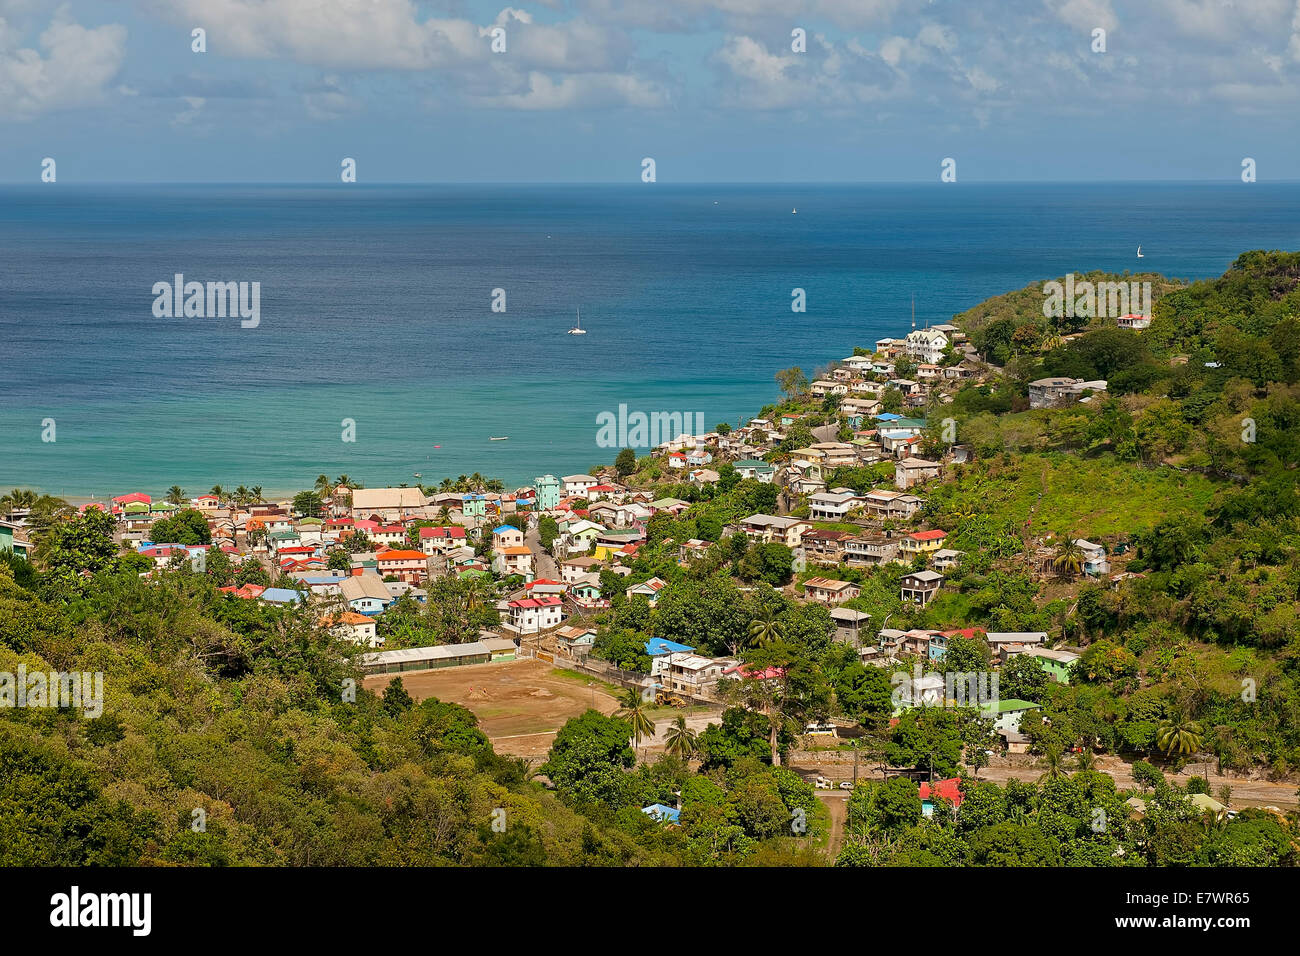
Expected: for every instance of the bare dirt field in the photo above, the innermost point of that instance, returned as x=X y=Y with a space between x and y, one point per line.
x=520 y=704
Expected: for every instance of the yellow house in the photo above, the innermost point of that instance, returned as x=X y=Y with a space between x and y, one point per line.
x=922 y=542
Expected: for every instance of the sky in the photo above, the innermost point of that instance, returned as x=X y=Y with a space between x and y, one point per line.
x=585 y=90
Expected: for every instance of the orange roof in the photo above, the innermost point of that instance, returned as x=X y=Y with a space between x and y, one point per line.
x=346 y=617
x=519 y=550
x=402 y=556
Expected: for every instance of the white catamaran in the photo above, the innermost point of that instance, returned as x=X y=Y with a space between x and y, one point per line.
x=578 y=329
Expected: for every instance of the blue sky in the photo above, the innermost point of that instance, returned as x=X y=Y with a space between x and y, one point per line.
x=1011 y=89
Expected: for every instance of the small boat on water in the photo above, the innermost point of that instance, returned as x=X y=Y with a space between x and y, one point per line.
x=578 y=329
x=495 y=438
x=794 y=211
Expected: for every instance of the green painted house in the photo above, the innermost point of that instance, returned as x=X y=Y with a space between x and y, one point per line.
x=13 y=538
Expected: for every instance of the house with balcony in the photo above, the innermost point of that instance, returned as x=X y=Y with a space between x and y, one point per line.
x=870 y=550
x=824 y=547
x=513 y=560
x=767 y=529
x=405 y=565
x=833 y=505
x=579 y=485
x=686 y=673
x=921 y=542
x=926 y=345
x=533 y=615
x=585 y=592
x=648 y=590
x=883 y=503
x=442 y=540
x=920 y=587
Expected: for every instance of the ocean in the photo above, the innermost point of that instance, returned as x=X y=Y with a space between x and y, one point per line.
x=376 y=307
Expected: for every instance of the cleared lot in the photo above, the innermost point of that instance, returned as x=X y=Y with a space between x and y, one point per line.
x=520 y=705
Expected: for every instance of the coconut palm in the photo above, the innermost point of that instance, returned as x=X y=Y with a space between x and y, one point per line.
x=18 y=500
x=218 y=492
x=1179 y=733
x=634 y=712
x=1068 y=559
x=242 y=495
x=44 y=513
x=1054 y=764
x=256 y=493
x=323 y=485
x=680 y=739
x=764 y=629
x=176 y=495
x=346 y=480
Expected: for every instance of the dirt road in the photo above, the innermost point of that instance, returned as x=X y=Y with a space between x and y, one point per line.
x=837 y=802
x=837 y=766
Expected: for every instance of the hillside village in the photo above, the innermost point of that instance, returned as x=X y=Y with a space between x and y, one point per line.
x=926 y=577
x=348 y=554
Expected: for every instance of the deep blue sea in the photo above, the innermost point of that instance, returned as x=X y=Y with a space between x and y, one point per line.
x=376 y=306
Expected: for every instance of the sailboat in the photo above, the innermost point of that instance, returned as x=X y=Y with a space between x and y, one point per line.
x=794 y=211
x=1139 y=252
x=578 y=329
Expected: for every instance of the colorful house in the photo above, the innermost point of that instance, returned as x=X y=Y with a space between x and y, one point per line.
x=548 y=489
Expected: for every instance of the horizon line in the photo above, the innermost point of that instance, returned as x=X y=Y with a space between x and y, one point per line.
x=634 y=183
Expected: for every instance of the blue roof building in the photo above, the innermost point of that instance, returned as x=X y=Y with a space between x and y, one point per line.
x=281 y=596
x=658 y=647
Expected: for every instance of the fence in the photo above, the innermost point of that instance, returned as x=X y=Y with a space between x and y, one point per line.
x=632 y=680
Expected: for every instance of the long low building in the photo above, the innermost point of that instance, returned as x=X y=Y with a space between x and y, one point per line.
x=426 y=658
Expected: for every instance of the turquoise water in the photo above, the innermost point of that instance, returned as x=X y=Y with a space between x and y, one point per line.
x=375 y=306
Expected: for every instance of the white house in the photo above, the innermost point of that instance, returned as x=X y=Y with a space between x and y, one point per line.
x=579 y=485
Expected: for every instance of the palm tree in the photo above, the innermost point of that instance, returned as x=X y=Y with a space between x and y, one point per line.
x=764 y=629
x=1179 y=733
x=1052 y=761
x=218 y=492
x=680 y=739
x=347 y=481
x=634 y=712
x=1086 y=760
x=256 y=493
x=323 y=485
x=176 y=495
x=241 y=495
x=1068 y=560
x=18 y=500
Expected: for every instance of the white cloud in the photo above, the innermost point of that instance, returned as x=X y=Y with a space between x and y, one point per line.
x=76 y=65
x=581 y=91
